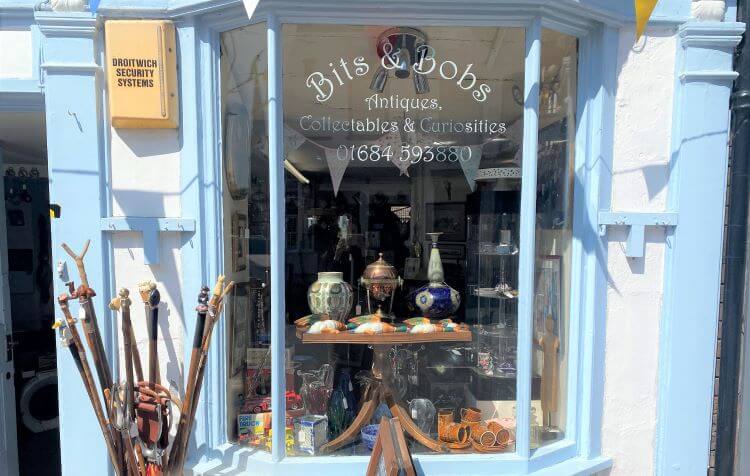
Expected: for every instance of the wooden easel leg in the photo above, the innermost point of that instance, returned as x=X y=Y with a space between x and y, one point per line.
x=363 y=417
x=410 y=427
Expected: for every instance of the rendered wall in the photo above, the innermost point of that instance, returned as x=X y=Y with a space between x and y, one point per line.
x=145 y=182
x=643 y=125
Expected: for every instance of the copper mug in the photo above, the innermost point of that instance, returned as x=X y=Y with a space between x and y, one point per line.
x=456 y=433
x=445 y=418
x=482 y=435
x=471 y=415
x=502 y=435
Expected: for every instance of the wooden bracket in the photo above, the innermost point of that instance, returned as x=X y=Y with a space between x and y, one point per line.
x=150 y=228
x=637 y=223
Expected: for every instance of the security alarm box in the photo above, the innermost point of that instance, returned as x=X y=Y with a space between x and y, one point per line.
x=141 y=66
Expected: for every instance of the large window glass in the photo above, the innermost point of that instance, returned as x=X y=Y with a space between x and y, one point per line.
x=554 y=235
x=403 y=148
x=402 y=159
x=244 y=111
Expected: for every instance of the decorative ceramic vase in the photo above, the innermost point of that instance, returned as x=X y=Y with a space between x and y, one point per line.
x=380 y=279
x=331 y=295
x=436 y=300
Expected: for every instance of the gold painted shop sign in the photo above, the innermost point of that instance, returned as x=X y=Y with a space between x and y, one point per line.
x=142 y=73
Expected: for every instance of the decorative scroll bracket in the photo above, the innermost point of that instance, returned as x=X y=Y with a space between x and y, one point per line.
x=150 y=228
x=637 y=223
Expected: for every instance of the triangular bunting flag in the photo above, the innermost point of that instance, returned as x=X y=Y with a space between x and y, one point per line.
x=336 y=167
x=393 y=140
x=250 y=6
x=292 y=139
x=471 y=166
x=643 y=10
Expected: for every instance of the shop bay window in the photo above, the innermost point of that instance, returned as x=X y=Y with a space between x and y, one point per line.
x=403 y=152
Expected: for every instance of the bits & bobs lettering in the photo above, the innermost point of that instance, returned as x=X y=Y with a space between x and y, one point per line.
x=324 y=84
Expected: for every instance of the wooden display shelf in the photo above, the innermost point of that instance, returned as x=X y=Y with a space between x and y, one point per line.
x=393 y=338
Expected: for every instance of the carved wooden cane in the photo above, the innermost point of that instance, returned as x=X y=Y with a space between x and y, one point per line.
x=151 y=297
x=118 y=416
x=214 y=310
x=122 y=303
x=90 y=325
x=78 y=352
x=200 y=325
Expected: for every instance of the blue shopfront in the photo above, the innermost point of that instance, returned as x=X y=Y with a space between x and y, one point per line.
x=527 y=170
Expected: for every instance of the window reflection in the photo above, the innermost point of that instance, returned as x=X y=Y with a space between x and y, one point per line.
x=402 y=154
x=402 y=279
x=554 y=218
x=246 y=232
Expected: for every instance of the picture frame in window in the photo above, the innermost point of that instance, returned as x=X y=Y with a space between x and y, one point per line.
x=240 y=322
x=548 y=299
x=448 y=218
x=237 y=151
x=390 y=455
x=239 y=248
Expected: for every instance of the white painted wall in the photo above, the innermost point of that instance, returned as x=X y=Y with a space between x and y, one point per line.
x=643 y=123
x=146 y=183
x=16 y=49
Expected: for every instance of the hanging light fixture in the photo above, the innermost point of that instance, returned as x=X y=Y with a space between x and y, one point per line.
x=421 y=85
x=378 y=81
x=402 y=46
x=402 y=58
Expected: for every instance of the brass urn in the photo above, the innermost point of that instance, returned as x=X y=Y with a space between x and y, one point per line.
x=380 y=279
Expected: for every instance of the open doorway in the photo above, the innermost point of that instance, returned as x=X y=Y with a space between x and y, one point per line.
x=29 y=297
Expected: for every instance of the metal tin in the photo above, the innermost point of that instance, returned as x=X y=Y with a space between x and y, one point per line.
x=311 y=432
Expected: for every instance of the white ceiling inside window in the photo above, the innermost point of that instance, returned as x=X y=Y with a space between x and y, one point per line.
x=23 y=138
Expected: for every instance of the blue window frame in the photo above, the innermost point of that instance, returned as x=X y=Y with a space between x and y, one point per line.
x=579 y=450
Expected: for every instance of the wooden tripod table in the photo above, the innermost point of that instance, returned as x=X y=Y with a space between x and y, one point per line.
x=379 y=390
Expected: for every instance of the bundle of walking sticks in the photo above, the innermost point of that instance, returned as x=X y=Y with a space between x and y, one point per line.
x=136 y=415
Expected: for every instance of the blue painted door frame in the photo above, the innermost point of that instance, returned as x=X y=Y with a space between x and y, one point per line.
x=75 y=142
x=697 y=190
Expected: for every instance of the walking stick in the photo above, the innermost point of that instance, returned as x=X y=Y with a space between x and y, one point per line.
x=130 y=334
x=213 y=312
x=78 y=259
x=94 y=340
x=152 y=420
x=90 y=325
x=151 y=297
x=78 y=352
x=118 y=415
x=200 y=325
x=122 y=303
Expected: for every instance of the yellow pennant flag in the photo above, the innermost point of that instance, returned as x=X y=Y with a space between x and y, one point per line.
x=643 y=10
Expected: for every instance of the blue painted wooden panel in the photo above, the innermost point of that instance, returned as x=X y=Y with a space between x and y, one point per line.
x=278 y=236
x=593 y=192
x=527 y=250
x=74 y=143
x=693 y=261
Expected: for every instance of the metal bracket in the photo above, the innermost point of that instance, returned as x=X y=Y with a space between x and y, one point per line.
x=150 y=228
x=637 y=223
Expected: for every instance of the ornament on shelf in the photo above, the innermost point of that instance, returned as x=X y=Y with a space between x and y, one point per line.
x=380 y=279
x=436 y=299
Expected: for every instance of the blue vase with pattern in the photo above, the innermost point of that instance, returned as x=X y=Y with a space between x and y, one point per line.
x=436 y=300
